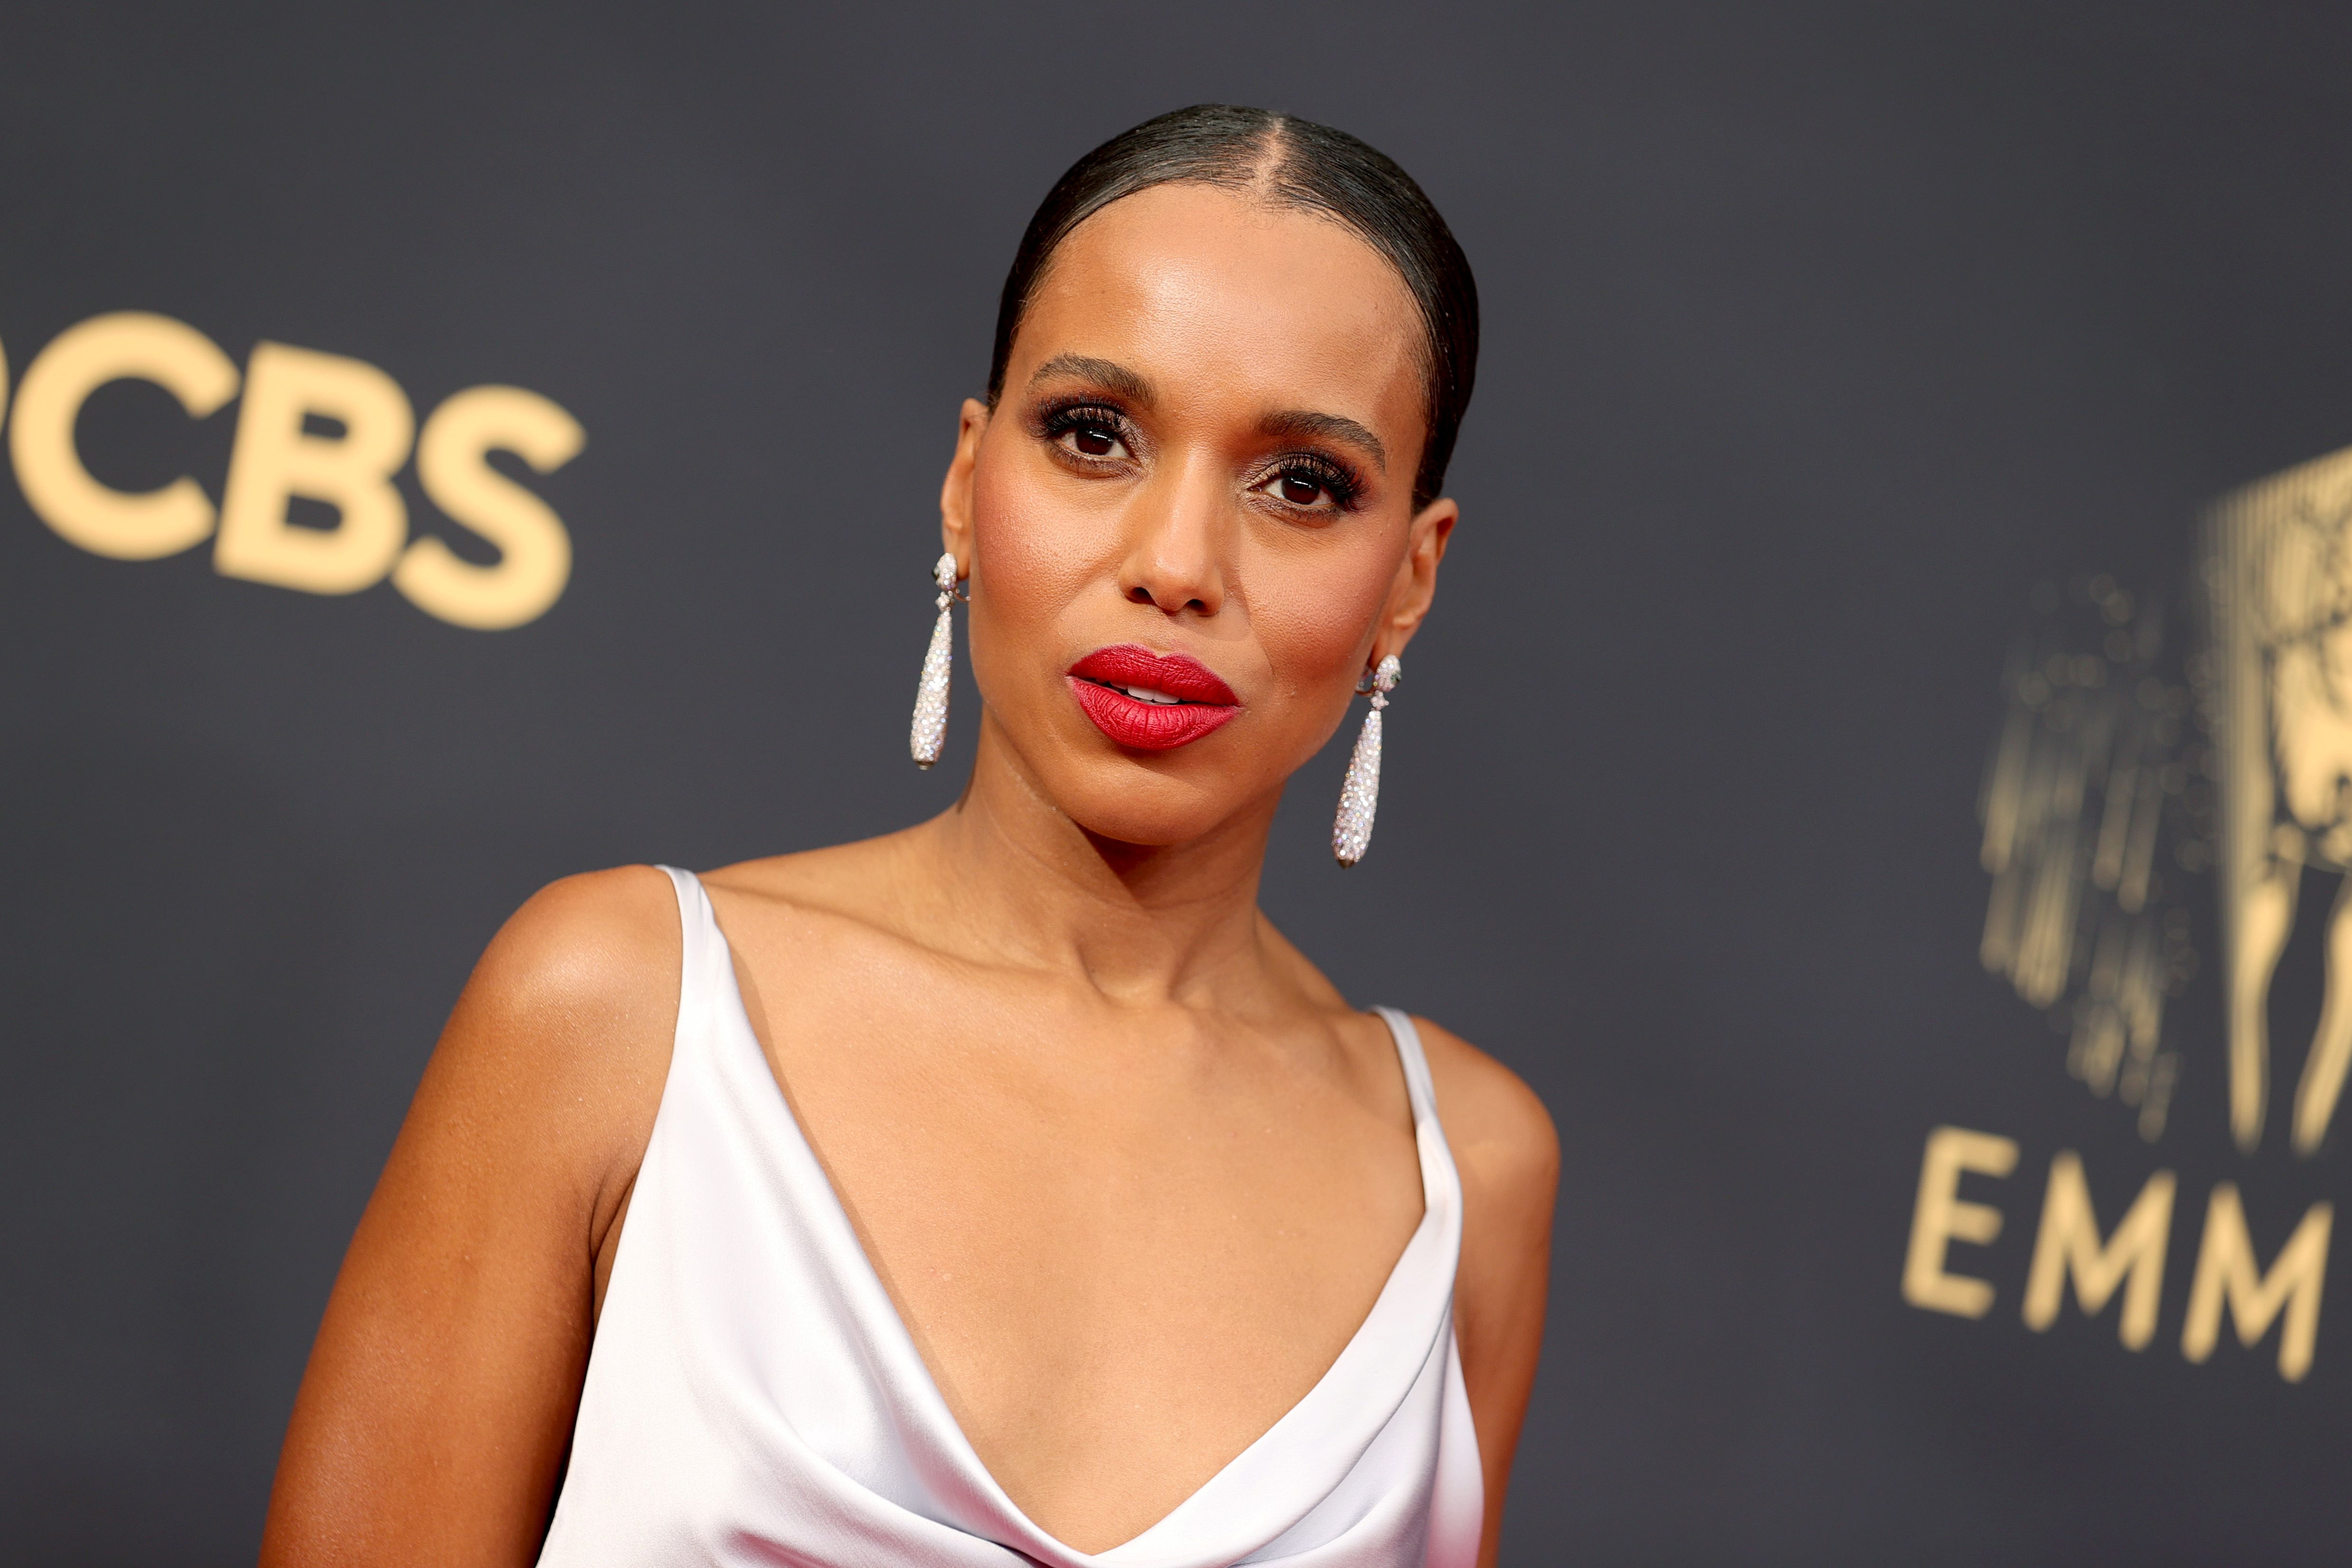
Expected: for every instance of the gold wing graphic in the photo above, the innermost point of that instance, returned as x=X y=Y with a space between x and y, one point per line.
x=2076 y=795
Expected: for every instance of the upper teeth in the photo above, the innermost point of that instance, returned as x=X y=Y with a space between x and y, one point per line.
x=1145 y=694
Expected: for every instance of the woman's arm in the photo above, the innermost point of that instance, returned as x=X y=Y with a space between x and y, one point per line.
x=433 y=1417
x=1508 y=1156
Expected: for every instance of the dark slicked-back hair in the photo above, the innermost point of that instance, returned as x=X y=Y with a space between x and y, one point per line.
x=1288 y=162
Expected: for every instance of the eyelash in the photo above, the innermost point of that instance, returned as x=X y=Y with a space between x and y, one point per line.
x=1340 y=485
x=1058 y=421
x=1336 y=481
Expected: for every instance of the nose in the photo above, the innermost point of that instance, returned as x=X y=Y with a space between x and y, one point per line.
x=1176 y=546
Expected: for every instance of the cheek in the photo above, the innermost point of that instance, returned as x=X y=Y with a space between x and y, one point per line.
x=1030 y=563
x=1314 y=615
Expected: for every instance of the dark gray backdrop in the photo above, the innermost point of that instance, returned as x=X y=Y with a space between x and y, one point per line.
x=1814 y=337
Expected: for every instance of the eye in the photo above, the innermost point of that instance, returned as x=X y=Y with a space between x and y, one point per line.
x=1310 y=486
x=1085 y=434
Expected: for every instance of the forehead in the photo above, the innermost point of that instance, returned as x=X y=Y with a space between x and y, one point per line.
x=1191 y=284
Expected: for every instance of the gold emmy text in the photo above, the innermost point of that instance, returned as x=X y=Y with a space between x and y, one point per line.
x=2229 y=1278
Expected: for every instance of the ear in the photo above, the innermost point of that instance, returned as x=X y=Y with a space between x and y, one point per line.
x=1416 y=578
x=955 y=491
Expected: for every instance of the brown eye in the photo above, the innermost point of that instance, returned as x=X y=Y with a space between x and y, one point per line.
x=1301 y=490
x=1094 y=440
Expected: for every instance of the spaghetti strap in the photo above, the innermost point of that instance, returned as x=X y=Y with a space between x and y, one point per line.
x=694 y=916
x=700 y=946
x=1417 y=1085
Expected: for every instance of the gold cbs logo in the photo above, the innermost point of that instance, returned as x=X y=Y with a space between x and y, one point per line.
x=278 y=455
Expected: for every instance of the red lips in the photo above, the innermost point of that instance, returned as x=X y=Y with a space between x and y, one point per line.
x=1203 y=702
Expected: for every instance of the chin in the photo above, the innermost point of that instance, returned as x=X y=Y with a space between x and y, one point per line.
x=1118 y=798
x=1156 y=815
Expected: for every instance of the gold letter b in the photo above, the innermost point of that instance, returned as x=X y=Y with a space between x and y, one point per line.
x=276 y=459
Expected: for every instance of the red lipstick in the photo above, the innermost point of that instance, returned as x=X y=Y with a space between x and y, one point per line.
x=1153 y=702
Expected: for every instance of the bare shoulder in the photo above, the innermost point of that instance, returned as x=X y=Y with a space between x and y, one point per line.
x=593 y=946
x=448 y=1368
x=1501 y=1135
x=1508 y=1156
x=567 y=1020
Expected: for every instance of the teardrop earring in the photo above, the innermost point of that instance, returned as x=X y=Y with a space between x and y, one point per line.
x=930 y=727
x=1359 y=797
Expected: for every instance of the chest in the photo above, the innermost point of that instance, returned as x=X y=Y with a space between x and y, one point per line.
x=1124 y=1243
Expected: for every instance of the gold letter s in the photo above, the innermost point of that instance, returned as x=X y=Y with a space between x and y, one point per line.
x=535 y=552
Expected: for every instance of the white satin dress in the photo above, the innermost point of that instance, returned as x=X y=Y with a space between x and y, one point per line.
x=752 y=1397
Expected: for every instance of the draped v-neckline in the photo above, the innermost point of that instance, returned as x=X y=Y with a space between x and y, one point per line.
x=834 y=1212
x=754 y=1397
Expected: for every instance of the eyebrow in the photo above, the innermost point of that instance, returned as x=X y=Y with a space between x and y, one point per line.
x=1303 y=425
x=1290 y=425
x=1109 y=373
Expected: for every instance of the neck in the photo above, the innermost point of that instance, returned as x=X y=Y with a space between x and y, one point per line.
x=1137 y=923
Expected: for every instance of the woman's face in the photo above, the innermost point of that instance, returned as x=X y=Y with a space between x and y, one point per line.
x=1196 y=488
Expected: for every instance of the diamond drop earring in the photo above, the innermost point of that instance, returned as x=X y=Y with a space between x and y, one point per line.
x=931 y=693
x=1359 y=797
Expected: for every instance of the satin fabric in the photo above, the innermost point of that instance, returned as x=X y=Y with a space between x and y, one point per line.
x=752 y=1397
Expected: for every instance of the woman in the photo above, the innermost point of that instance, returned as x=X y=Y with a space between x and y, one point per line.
x=1006 y=1190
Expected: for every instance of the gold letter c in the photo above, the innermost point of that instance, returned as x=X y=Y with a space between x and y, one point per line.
x=81 y=358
